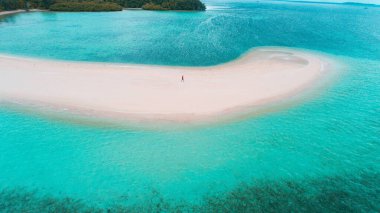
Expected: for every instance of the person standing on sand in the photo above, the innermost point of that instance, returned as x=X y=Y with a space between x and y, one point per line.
x=183 y=79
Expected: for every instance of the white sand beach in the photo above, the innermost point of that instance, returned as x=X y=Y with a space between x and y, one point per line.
x=143 y=92
x=3 y=13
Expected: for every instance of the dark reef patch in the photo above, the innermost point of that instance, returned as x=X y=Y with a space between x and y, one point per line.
x=353 y=193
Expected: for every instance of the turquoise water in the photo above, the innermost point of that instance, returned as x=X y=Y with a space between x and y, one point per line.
x=320 y=155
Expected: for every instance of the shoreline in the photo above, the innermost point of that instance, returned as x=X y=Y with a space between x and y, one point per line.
x=11 y=12
x=146 y=93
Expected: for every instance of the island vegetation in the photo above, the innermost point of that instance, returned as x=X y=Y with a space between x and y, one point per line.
x=101 y=5
x=85 y=6
x=175 y=5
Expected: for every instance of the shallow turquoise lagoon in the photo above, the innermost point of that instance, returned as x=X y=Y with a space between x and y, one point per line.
x=320 y=155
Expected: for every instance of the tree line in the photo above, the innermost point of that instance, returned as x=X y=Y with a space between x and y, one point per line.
x=100 y=5
x=24 y=4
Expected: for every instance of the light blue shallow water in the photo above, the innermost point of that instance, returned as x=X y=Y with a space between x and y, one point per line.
x=323 y=153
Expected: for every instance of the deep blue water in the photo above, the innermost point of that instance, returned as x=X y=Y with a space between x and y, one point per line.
x=320 y=155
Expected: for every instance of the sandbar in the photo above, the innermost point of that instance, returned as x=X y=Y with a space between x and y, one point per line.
x=150 y=92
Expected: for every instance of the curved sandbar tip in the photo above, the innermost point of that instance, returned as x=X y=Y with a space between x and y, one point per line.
x=142 y=92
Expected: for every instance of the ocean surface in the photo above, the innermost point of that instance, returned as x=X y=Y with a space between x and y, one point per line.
x=319 y=155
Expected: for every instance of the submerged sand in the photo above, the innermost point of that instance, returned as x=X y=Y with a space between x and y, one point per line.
x=143 y=92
